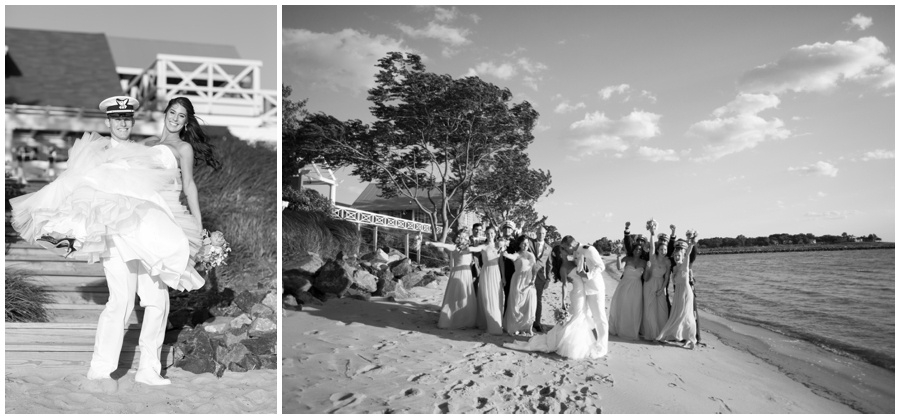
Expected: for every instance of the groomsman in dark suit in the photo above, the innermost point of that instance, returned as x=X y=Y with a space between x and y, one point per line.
x=542 y=270
x=476 y=240
x=507 y=266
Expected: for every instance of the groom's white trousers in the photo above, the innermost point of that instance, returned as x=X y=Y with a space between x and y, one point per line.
x=123 y=279
x=595 y=304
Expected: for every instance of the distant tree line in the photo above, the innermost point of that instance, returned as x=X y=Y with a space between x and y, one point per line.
x=783 y=238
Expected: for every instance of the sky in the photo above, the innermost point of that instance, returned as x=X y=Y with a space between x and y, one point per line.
x=728 y=120
x=253 y=30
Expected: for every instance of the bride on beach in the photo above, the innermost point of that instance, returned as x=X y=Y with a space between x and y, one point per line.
x=573 y=339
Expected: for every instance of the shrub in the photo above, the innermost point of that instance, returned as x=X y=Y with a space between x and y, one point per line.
x=25 y=301
x=241 y=201
x=306 y=200
x=317 y=232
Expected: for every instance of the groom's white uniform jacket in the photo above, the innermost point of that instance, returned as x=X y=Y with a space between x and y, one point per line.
x=589 y=256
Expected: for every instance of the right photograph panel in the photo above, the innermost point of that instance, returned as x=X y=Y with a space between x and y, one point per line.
x=588 y=209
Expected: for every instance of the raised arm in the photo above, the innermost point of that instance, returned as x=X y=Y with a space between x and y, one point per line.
x=439 y=245
x=511 y=256
x=627 y=240
x=646 y=275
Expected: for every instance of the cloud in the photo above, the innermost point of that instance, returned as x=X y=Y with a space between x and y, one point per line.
x=596 y=132
x=821 y=194
x=504 y=71
x=541 y=127
x=656 y=154
x=563 y=42
x=608 y=91
x=878 y=155
x=819 y=169
x=737 y=126
x=859 y=21
x=341 y=60
x=821 y=66
x=530 y=67
x=456 y=37
x=445 y=15
x=832 y=215
x=734 y=178
x=475 y=18
x=564 y=107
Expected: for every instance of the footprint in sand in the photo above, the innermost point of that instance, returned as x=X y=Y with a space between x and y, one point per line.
x=384 y=343
x=722 y=402
x=366 y=369
x=460 y=387
x=481 y=402
x=312 y=332
x=422 y=378
x=441 y=409
x=411 y=392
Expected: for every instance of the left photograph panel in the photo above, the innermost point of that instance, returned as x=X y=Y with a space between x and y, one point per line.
x=141 y=206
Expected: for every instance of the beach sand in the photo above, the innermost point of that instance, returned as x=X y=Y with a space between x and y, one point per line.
x=64 y=391
x=381 y=356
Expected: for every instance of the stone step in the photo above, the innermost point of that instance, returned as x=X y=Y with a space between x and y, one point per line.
x=58 y=267
x=74 y=289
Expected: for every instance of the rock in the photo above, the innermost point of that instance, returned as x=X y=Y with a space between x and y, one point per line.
x=200 y=315
x=262 y=310
x=240 y=321
x=309 y=263
x=271 y=301
x=334 y=277
x=295 y=280
x=289 y=301
x=233 y=336
x=229 y=311
x=412 y=279
x=196 y=352
x=365 y=281
x=306 y=298
x=218 y=325
x=235 y=354
x=398 y=293
x=395 y=255
x=180 y=318
x=400 y=267
x=247 y=299
x=263 y=345
x=262 y=326
x=358 y=294
x=268 y=362
x=428 y=278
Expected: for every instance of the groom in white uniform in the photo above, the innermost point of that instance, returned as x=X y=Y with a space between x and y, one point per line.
x=590 y=267
x=124 y=277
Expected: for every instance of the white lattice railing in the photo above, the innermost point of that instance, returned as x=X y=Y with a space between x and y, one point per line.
x=212 y=89
x=365 y=217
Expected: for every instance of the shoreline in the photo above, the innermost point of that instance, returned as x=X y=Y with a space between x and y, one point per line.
x=787 y=249
x=864 y=387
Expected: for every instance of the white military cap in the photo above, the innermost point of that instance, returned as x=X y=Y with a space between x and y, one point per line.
x=119 y=105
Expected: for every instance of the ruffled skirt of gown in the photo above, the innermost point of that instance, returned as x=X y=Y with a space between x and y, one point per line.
x=490 y=300
x=681 y=324
x=459 y=308
x=656 y=310
x=626 y=306
x=573 y=339
x=111 y=195
x=521 y=309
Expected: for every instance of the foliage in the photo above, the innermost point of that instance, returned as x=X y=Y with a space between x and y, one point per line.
x=306 y=200
x=432 y=138
x=311 y=231
x=13 y=189
x=553 y=234
x=508 y=190
x=779 y=239
x=240 y=200
x=25 y=301
x=603 y=245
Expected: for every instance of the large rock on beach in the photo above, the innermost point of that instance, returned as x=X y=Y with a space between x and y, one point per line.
x=307 y=299
x=335 y=277
x=262 y=326
x=400 y=267
x=365 y=281
x=399 y=292
x=247 y=299
x=395 y=255
x=376 y=257
x=412 y=279
x=308 y=263
x=295 y=280
x=196 y=352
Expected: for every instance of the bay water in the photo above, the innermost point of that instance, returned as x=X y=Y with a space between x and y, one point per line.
x=842 y=301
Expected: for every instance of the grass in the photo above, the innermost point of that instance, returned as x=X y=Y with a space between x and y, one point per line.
x=241 y=201
x=317 y=232
x=24 y=300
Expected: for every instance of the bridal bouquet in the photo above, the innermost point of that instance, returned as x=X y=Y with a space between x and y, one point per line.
x=561 y=314
x=213 y=251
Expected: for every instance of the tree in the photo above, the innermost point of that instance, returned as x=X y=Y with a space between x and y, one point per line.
x=508 y=190
x=433 y=137
x=553 y=235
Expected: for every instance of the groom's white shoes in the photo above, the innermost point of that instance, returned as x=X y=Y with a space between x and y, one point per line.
x=151 y=378
x=94 y=375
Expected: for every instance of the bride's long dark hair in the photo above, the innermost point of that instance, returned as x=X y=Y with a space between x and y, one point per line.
x=194 y=135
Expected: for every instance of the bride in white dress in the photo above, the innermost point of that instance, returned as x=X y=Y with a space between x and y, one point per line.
x=575 y=338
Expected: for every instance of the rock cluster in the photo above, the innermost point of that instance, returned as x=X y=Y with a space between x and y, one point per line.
x=240 y=335
x=310 y=280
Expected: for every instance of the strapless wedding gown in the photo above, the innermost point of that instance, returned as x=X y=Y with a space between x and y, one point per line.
x=573 y=339
x=123 y=195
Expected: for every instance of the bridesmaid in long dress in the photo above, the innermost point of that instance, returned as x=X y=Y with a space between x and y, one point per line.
x=681 y=325
x=490 y=287
x=459 y=309
x=521 y=308
x=656 y=279
x=627 y=302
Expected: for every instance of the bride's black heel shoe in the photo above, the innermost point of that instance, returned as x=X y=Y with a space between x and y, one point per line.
x=57 y=246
